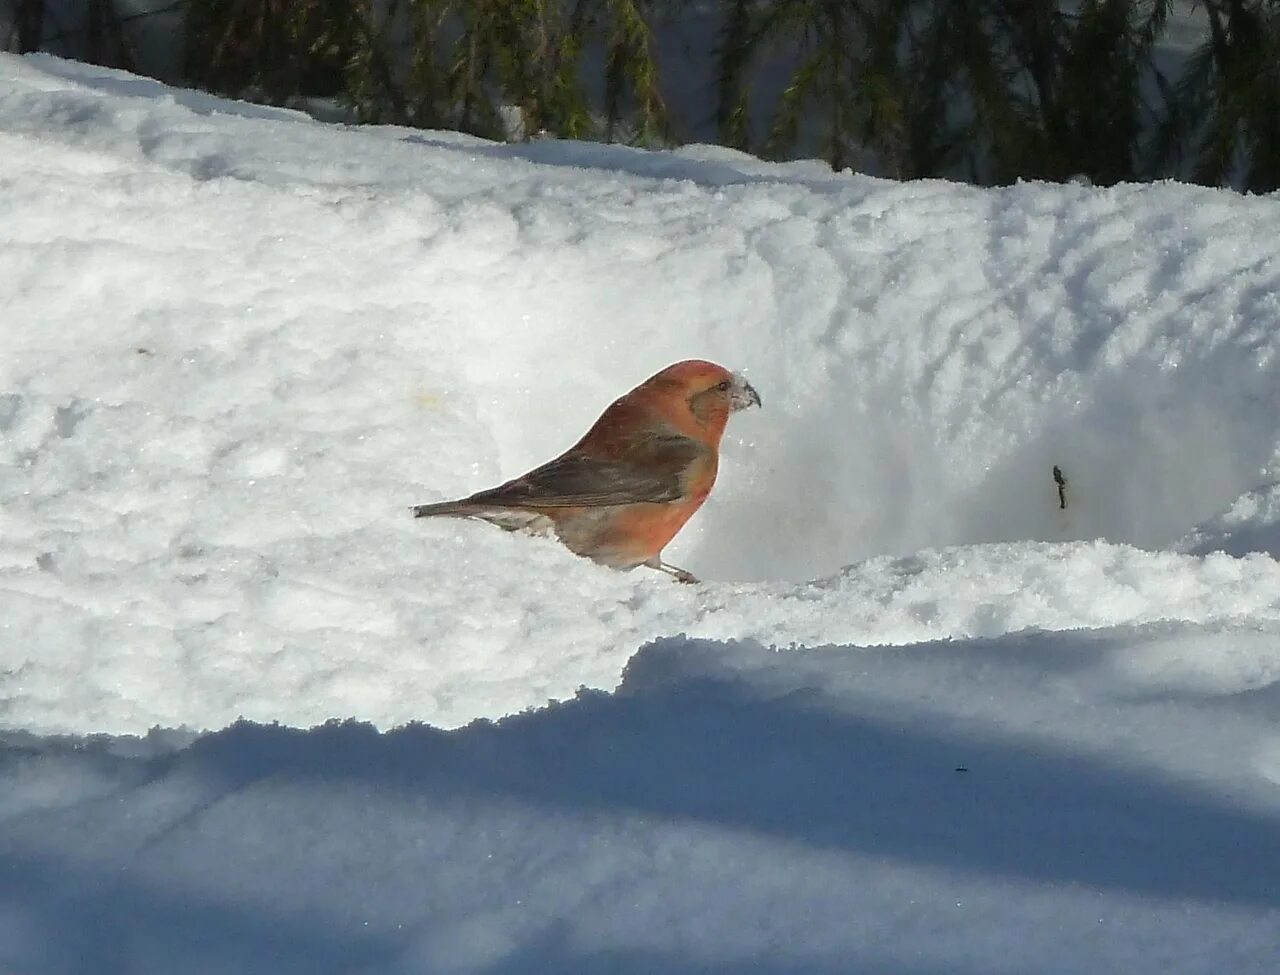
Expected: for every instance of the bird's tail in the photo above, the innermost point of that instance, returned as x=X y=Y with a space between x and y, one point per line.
x=455 y=509
x=512 y=519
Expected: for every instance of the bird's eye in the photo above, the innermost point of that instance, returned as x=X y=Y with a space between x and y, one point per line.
x=724 y=385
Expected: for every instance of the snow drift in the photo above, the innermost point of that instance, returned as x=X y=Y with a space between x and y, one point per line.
x=921 y=718
x=241 y=343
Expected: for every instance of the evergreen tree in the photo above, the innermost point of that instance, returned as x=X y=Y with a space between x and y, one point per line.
x=1032 y=88
x=276 y=49
x=989 y=90
x=1226 y=105
x=847 y=87
x=733 y=60
x=964 y=117
x=105 y=41
x=28 y=25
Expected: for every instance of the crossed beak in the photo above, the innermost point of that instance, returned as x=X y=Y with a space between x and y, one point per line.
x=742 y=395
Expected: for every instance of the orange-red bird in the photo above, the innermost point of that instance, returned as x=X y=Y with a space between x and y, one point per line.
x=621 y=493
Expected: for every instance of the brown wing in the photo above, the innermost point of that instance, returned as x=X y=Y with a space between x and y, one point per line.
x=653 y=470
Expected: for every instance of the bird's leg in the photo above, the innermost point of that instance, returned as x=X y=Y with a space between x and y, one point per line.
x=680 y=574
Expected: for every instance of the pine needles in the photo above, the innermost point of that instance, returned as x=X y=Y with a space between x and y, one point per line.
x=986 y=90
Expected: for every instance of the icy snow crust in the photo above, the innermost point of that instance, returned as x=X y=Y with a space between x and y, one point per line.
x=918 y=719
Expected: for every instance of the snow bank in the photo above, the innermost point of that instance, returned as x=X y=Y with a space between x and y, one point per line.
x=921 y=719
x=241 y=343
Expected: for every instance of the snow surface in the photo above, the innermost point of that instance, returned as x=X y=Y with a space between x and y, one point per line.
x=919 y=718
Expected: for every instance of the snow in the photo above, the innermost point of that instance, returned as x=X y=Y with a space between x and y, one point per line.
x=1251 y=524
x=919 y=718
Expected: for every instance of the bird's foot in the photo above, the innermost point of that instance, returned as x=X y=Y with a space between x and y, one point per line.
x=681 y=575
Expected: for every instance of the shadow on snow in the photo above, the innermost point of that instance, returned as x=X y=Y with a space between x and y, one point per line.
x=711 y=750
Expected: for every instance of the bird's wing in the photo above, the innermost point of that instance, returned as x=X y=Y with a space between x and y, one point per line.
x=652 y=470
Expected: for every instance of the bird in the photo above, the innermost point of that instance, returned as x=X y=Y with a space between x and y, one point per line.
x=623 y=491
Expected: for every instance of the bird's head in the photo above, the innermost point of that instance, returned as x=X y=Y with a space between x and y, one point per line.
x=705 y=392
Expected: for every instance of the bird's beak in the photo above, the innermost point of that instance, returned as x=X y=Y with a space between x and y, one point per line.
x=742 y=395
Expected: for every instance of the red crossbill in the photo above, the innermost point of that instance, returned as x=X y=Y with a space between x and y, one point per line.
x=621 y=493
